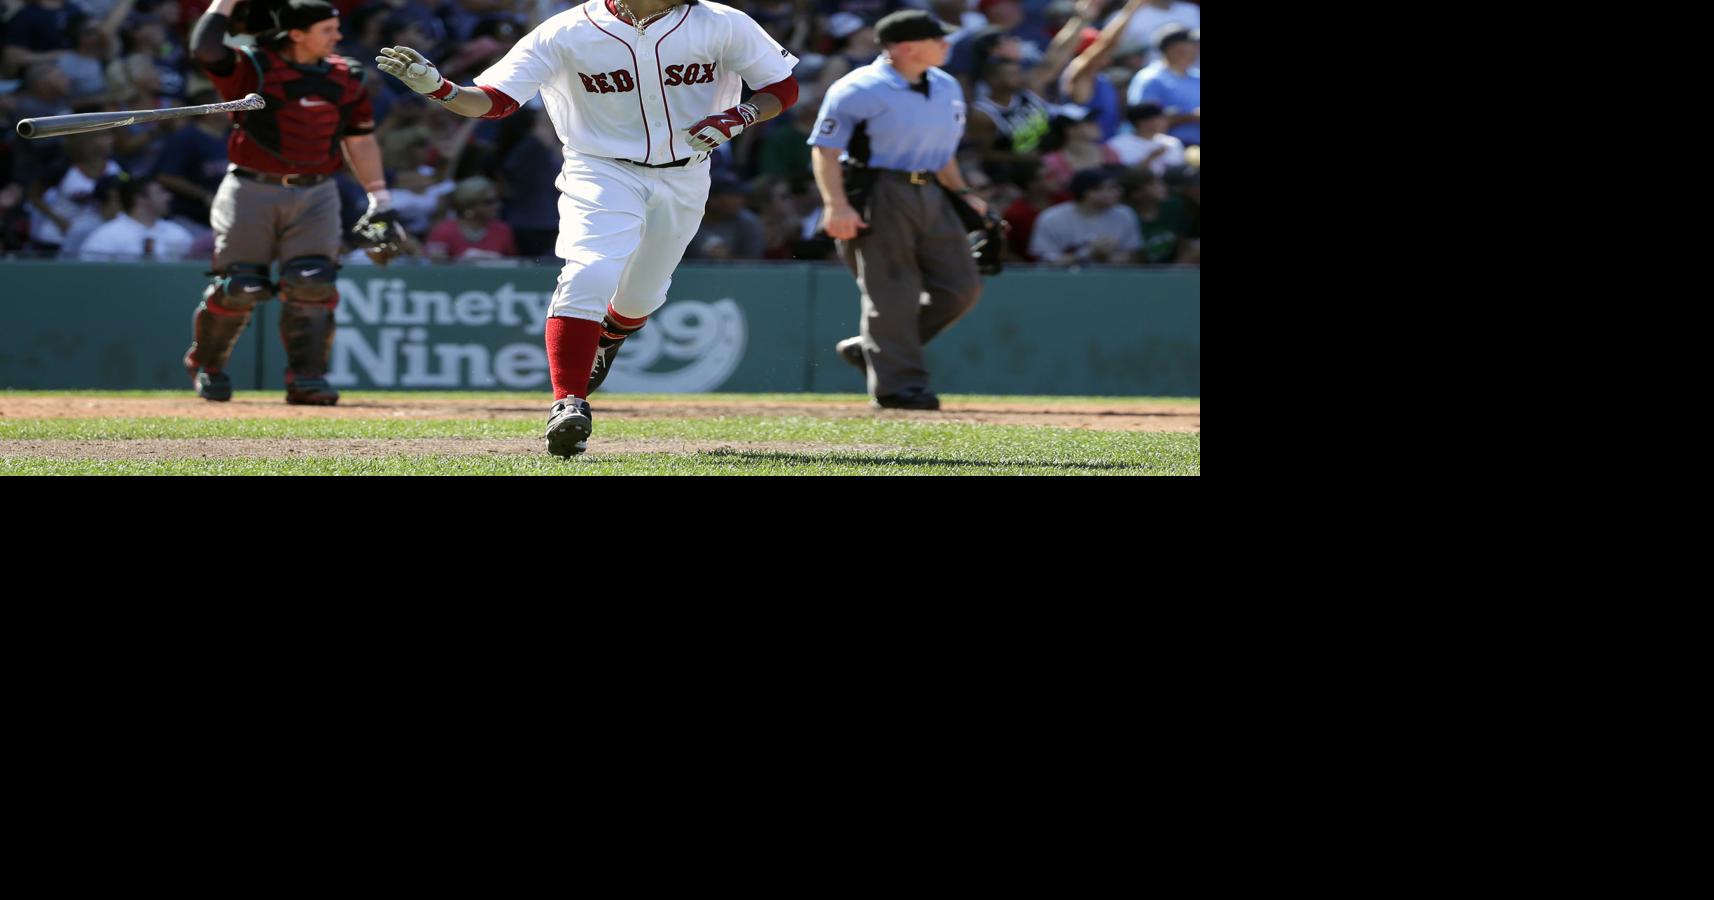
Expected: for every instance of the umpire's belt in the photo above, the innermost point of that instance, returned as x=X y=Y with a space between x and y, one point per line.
x=288 y=180
x=923 y=177
x=671 y=165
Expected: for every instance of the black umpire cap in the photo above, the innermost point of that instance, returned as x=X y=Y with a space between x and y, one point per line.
x=910 y=25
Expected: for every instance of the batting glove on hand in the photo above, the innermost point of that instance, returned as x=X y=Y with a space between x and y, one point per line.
x=721 y=127
x=411 y=67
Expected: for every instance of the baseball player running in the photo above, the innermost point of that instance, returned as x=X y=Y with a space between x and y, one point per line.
x=630 y=86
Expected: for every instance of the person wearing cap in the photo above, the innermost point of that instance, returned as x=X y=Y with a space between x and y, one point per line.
x=1175 y=82
x=728 y=230
x=278 y=200
x=890 y=131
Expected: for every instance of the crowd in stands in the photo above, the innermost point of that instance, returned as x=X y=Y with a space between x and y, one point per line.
x=1083 y=128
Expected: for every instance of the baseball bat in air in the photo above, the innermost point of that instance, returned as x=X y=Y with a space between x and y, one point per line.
x=55 y=126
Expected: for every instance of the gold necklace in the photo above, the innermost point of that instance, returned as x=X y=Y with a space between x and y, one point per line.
x=637 y=23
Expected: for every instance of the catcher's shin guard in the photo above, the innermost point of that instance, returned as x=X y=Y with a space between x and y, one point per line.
x=217 y=324
x=306 y=331
x=613 y=333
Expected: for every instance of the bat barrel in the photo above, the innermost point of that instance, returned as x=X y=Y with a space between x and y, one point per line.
x=55 y=126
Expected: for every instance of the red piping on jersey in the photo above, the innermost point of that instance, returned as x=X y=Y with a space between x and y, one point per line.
x=785 y=91
x=499 y=105
x=648 y=143
x=661 y=79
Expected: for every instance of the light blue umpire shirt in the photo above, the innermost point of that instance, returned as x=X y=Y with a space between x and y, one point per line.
x=885 y=122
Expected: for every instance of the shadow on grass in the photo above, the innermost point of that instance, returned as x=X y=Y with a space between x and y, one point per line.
x=813 y=460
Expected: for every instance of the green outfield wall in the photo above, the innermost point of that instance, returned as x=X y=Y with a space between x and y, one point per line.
x=736 y=327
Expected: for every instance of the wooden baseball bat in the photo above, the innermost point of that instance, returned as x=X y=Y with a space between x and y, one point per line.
x=55 y=126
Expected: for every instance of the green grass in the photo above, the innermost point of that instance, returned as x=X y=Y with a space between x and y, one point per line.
x=539 y=397
x=829 y=446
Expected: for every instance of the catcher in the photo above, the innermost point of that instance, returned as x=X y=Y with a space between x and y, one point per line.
x=278 y=200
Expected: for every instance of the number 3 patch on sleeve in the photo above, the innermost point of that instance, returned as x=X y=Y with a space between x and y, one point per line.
x=829 y=126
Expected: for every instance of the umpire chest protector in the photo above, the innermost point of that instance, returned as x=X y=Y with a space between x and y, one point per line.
x=308 y=112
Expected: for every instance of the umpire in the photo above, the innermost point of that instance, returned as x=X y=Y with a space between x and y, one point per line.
x=278 y=200
x=884 y=160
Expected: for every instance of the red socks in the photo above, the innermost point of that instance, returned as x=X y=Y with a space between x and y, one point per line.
x=571 y=355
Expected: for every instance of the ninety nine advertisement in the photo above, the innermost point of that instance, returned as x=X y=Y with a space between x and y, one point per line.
x=392 y=335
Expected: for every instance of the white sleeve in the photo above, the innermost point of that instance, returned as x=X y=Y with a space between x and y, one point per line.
x=521 y=73
x=755 y=56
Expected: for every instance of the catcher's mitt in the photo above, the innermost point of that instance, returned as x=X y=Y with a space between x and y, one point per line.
x=383 y=236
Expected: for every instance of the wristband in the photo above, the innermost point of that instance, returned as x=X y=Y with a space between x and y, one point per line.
x=445 y=93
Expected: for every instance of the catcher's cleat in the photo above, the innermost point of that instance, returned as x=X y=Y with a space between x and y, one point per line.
x=913 y=399
x=301 y=391
x=851 y=350
x=215 y=386
x=569 y=425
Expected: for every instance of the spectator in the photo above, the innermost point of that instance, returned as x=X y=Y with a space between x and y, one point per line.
x=14 y=219
x=474 y=232
x=1147 y=146
x=1011 y=121
x=729 y=231
x=41 y=32
x=854 y=46
x=140 y=232
x=1079 y=148
x=1083 y=82
x=148 y=44
x=1093 y=228
x=45 y=88
x=785 y=146
x=528 y=174
x=419 y=182
x=86 y=65
x=107 y=209
x=193 y=163
x=1161 y=218
x=1038 y=195
x=66 y=193
x=1157 y=14
x=1175 y=83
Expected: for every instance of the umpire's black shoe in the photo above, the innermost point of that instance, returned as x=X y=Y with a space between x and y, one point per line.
x=214 y=386
x=916 y=399
x=851 y=350
x=569 y=425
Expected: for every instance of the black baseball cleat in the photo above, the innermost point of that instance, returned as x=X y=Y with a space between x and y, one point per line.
x=912 y=399
x=215 y=386
x=569 y=424
x=301 y=391
x=612 y=335
x=851 y=350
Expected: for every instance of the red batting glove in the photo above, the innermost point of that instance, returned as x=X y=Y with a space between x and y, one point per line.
x=721 y=127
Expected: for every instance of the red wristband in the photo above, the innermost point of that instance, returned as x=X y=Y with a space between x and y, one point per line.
x=446 y=87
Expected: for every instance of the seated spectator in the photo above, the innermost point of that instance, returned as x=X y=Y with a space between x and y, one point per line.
x=1079 y=149
x=473 y=232
x=1175 y=83
x=785 y=144
x=418 y=183
x=45 y=89
x=107 y=209
x=854 y=46
x=41 y=31
x=86 y=65
x=193 y=163
x=1162 y=218
x=1147 y=146
x=14 y=220
x=141 y=232
x=1037 y=195
x=729 y=231
x=1094 y=228
x=64 y=194
x=148 y=43
x=528 y=174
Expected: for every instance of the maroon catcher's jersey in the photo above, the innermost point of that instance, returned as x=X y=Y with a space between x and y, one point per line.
x=309 y=109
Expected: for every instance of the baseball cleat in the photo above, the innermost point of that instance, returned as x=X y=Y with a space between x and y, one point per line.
x=569 y=424
x=309 y=391
x=851 y=350
x=918 y=398
x=215 y=386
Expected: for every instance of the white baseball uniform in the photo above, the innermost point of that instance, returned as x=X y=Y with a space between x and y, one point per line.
x=613 y=95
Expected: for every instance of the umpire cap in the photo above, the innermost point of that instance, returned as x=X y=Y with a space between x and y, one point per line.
x=910 y=25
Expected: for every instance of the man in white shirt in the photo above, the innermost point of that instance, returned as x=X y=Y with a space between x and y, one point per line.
x=1155 y=15
x=141 y=232
x=1148 y=145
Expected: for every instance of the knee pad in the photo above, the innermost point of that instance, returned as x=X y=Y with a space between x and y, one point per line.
x=310 y=279
x=242 y=286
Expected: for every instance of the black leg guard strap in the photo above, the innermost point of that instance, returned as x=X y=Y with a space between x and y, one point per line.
x=306 y=330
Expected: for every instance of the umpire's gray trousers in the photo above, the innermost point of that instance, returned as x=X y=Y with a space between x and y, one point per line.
x=914 y=269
